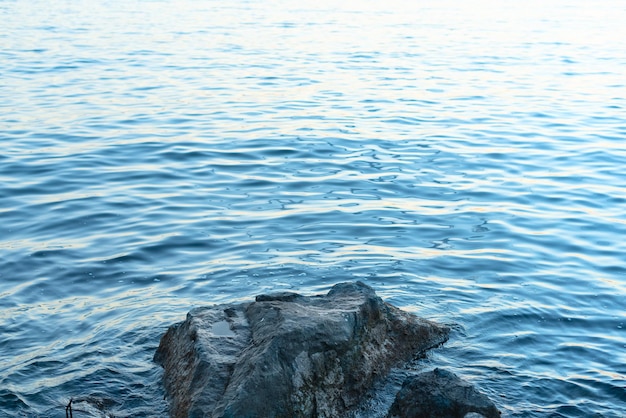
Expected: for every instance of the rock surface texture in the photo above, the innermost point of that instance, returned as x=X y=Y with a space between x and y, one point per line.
x=288 y=355
x=440 y=393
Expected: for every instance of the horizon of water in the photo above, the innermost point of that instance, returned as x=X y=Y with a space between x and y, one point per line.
x=465 y=159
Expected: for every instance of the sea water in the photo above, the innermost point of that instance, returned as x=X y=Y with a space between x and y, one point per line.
x=467 y=159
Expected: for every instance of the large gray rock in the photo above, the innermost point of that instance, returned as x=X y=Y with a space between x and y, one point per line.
x=288 y=355
x=441 y=394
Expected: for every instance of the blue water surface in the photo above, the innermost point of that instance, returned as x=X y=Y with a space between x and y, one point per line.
x=466 y=159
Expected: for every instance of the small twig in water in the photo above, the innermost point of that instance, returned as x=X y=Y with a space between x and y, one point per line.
x=68 y=409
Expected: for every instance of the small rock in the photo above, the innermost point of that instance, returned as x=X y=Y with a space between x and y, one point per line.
x=441 y=394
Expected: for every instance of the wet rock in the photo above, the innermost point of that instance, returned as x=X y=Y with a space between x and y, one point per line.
x=440 y=393
x=288 y=355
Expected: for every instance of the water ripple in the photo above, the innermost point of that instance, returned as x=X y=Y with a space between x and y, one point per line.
x=465 y=161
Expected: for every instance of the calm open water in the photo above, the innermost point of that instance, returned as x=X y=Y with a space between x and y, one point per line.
x=466 y=159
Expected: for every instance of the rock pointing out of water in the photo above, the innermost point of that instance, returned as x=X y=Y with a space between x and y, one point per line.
x=288 y=355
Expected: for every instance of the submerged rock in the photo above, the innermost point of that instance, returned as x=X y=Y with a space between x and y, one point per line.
x=288 y=355
x=440 y=393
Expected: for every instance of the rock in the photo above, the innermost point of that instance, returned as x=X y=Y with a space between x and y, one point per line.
x=440 y=393
x=288 y=355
